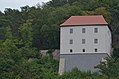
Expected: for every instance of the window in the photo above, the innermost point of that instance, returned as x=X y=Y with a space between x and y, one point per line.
x=71 y=41
x=83 y=50
x=96 y=50
x=71 y=31
x=95 y=30
x=83 y=41
x=71 y=50
x=95 y=41
x=83 y=30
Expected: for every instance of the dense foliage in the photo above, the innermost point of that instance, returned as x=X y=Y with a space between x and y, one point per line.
x=23 y=33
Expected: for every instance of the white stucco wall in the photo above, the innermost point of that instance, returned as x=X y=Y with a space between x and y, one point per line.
x=103 y=36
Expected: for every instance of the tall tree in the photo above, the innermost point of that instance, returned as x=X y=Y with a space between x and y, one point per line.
x=26 y=33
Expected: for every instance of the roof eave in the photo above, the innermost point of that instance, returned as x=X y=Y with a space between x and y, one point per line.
x=84 y=25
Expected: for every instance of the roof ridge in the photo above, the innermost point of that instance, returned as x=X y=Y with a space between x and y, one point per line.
x=86 y=15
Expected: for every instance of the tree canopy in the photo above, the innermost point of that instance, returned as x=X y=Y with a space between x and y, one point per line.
x=24 y=33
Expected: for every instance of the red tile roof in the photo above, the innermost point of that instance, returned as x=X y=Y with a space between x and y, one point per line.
x=85 y=20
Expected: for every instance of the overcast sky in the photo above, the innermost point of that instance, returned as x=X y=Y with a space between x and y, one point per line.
x=16 y=4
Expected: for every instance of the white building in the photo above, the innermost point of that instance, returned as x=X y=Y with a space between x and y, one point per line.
x=84 y=41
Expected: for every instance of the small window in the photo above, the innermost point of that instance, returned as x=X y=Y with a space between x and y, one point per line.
x=83 y=50
x=95 y=41
x=95 y=30
x=83 y=30
x=71 y=41
x=71 y=50
x=96 y=50
x=83 y=41
x=71 y=31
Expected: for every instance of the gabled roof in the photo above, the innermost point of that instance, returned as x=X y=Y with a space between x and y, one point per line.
x=85 y=21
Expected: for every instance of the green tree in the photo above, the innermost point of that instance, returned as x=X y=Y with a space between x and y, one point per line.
x=26 y=33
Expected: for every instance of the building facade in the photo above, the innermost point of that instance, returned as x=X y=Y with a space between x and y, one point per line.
x=84 y=41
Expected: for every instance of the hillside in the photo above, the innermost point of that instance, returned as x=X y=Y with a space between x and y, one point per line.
x=24 y=33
